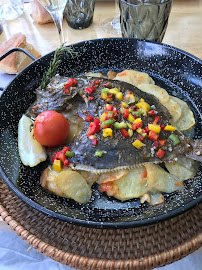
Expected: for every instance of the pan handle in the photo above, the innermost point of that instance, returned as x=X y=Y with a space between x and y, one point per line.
x=16 y=50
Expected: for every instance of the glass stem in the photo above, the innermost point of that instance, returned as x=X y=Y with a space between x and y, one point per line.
x=58 y=20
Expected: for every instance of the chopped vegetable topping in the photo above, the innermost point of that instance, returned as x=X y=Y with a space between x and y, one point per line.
x=124 y=132
x=170 y=128
x=153 y=136
x=130 y=132
x=138 y=144
x=57 y=166
x=89 y=118
x=120 y=125
x=174 y=139
x=70 y=154
x=144 y=106
x=160 y=154
x=155 y=128
x=94 y=142
x=99 y=153
x=107 y=132
x=162 y=142
x=131 y=118
x=94 y=127
x=152 y=112
x=126 y=114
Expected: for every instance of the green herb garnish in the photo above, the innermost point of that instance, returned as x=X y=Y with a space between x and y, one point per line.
x=52 y=70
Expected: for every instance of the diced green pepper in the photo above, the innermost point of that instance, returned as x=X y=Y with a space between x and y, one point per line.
x=108 y=122
x=174 y=139
x=99 y=153
x=69 y=154
x=104 y=90
x=120 y=125
x=137 y=113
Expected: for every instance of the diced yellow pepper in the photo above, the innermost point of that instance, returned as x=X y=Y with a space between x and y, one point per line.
x=144 y=134
x=57 y=166
x=138 y=120
x=155 y=128
x=130 y=132
x=144 y=106
x=102 y=117
x=119 y=95
x=124 y=104
x=122 y=110
x=138 y=144
x=131 y=118
x=107 y=132
x=104 y=95
x=170 y=128
x=139 y=130
x=129 y=125
x=113 y=91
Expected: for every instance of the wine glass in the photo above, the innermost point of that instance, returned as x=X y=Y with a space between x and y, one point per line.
x=56 y=8
x=112 y=25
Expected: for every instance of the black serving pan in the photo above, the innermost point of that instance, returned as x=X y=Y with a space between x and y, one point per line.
x=178 y=72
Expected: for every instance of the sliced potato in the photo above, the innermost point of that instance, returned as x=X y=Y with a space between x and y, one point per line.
x=134 y=77
x=155 y=90
x=184 y=168
x=186 y=121
x=111 y=176
x=95 y=74
x=48 y=181
x=160 y=180
x=152 y=198
x=129 y=186
x=73 y=186
x=174 y=109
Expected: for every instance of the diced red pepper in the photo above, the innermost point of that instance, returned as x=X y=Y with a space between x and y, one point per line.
x=94 y=127
x=92 y=87
x=162 y=142
x=124 y=132
x=136 y=108
x=66 y=163
x=70 y=82
x=53 y=157
x=130 y=92
x=66 y=90
x=90 y=98
x=115 y=114
x=137 y=125
x=109 y=97
x=132 y=108
x=160 y=154
x=156 y=120
x=162 y=127
x=126 y=113
x=97 y=82
x=105 y=126
x=65 y=149
x=153 y=136
x=89 y=90
x=146 y=130
x=141 y=138
x=156 y=144
x=61 y=156
x=109 y=107
x=89 y=118
x=152 y=112
x=94 y=142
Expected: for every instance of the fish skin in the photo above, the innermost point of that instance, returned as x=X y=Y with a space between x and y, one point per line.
x=118 y=151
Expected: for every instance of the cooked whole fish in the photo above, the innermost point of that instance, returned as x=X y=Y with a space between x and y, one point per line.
x=118 y=151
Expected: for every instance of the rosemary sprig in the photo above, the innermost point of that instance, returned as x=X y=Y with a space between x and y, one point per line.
x=52 y=70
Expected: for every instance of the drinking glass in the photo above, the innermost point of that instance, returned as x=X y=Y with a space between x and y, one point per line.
x=112 y=25
x=10 y=10
x=56 y=8
x=79 y=13
x=144 y=19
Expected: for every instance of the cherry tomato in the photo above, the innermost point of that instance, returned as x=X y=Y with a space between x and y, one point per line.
x=51 y=128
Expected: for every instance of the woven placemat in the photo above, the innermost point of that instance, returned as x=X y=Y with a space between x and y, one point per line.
x=86 y=248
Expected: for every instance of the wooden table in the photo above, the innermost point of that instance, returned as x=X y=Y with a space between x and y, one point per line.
x=184 y=31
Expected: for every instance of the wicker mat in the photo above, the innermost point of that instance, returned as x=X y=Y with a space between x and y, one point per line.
x=85 y=248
